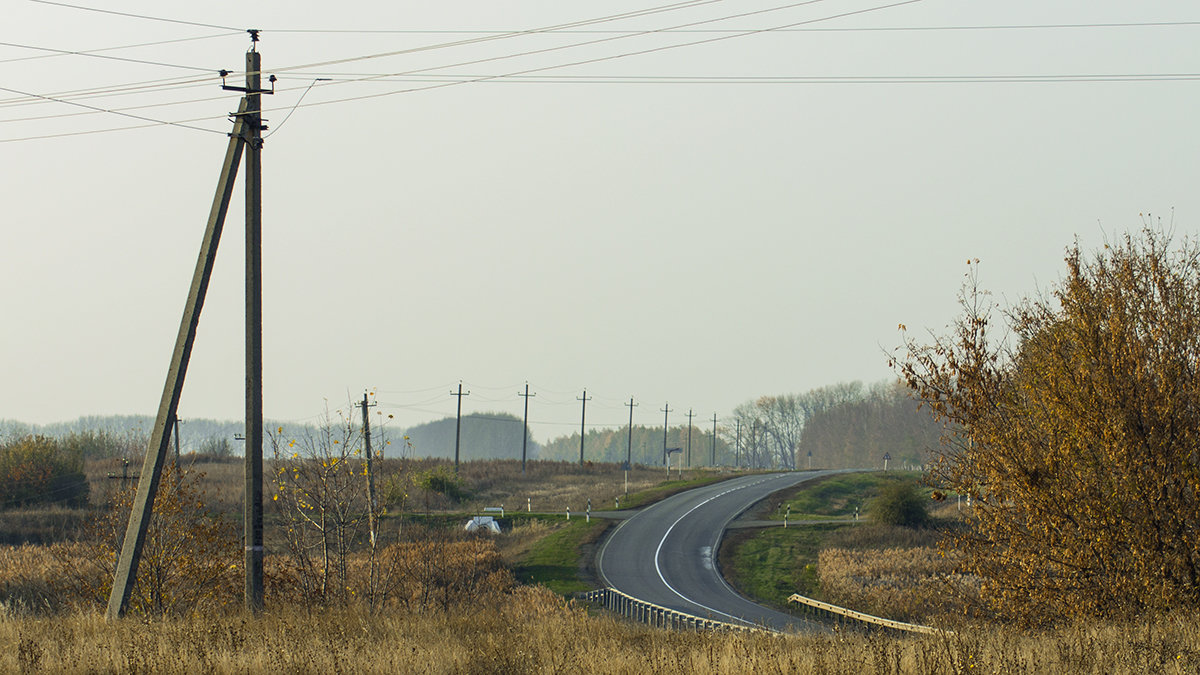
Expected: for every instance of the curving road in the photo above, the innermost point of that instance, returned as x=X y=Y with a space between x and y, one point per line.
x=665 y=553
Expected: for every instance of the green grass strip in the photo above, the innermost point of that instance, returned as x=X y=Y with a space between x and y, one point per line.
x=555 y=560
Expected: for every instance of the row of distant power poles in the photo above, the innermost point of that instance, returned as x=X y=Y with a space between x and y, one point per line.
x=666 y=410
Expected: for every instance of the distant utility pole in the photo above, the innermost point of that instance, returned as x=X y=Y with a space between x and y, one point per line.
x=176 y=427
x=629 y=445
x=372 y=502
x=524 y=429
x=666 y=458
x=246 y=137
x=737 y=444
x=713 y=461
x=689 y=438
x=458 y=423
x=582 y=427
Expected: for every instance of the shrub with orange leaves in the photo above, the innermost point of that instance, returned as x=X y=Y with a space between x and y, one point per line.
x=1077 y=435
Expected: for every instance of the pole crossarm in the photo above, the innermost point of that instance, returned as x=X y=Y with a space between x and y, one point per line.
x=143 y=506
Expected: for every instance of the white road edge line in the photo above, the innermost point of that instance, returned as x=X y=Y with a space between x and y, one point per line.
x=658 y=550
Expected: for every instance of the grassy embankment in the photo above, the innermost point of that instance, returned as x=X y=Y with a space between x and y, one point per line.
x=770 y=564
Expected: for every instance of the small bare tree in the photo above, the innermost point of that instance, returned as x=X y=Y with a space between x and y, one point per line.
x=321 y=495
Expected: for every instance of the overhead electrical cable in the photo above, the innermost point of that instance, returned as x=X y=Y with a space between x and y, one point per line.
x=832 y=80
x=614 y=17
x=89 y=52
x=144 y=106
x=65 y=52
x=434 y=81
x=114 y=112
x=296 y=105
x=610 y=57
x=550 y=29
x=510 y=34
x=774 y=79
x=863 y=29
x=135 y=16
x=111 y=90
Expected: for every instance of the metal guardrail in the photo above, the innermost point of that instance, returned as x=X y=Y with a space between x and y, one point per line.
x=840 y=614
x=663 y=617
x=656 y=615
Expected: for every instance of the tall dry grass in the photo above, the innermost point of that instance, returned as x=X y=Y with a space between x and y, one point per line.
x=529 y=630
x=437 y=572
x=918 y=585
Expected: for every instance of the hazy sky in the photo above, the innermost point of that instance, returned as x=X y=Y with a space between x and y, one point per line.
x=700 y=225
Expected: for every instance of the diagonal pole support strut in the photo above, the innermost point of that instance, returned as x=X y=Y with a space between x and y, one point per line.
x=143 y=505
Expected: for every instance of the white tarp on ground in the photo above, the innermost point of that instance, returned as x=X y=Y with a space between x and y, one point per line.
x=485 y=523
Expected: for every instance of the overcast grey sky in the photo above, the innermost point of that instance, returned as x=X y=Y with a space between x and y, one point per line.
x=698 y=224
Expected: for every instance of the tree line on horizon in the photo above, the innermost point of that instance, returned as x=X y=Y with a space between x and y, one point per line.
x=845 y=425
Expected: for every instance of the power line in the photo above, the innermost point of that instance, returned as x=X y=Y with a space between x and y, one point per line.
x=115 y=112
x=781 y=79
x=134 y=16
x=113 y=90
x=519 y=33
x=90 y=52
x=65 y=52
x=144 y=106
x=813 y=80
x=297 y=105
x=863 y=29
x=529 y=75
x=610 y=57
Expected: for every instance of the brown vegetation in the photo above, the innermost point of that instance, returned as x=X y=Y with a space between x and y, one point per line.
x=1078 y=436
x=530 y=630
x=917 y=585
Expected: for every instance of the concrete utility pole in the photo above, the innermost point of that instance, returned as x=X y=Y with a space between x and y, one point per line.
x=689 y=438
x=666 y=458
x=713 y=460
x=143 y=505
x=629 y=445
x=458 y=423
x=582 y=426
x=525 y=429
x=372 y=501
x=254 y=384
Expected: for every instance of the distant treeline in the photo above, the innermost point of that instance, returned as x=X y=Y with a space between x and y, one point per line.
x=482 y=436
x=843 y=426
x=858 y=433
x=612 y=445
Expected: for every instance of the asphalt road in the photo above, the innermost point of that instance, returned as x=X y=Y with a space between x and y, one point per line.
x=665 y=553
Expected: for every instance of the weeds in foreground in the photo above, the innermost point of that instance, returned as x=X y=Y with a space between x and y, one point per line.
x=531 y=630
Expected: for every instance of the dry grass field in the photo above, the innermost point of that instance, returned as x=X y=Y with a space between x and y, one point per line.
x=530 y=630
x=918 y=585
x=436 y=600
